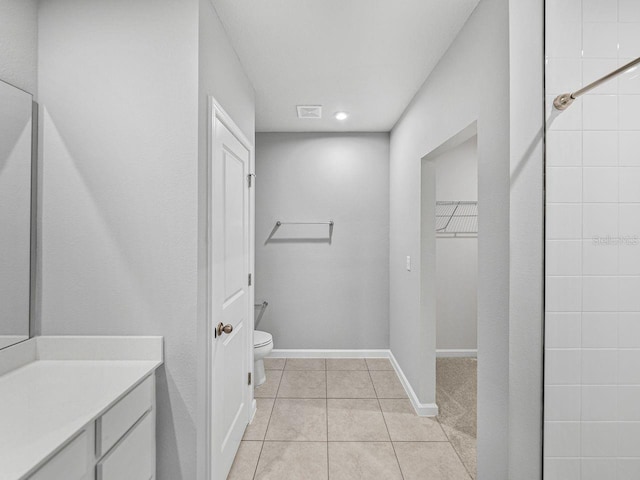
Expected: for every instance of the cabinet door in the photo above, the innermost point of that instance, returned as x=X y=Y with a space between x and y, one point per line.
x=70 y=463
x=112 y=426
x=133 y=458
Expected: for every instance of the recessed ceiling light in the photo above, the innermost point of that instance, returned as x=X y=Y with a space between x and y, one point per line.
x=341 y=115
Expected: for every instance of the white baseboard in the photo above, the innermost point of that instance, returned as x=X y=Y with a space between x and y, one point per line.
x=422 y=409
x=447 y=353
x=330 y=353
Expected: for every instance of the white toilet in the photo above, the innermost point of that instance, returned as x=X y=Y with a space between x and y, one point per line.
x=262 y=346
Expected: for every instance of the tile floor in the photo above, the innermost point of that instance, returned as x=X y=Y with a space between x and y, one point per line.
x=341 y=419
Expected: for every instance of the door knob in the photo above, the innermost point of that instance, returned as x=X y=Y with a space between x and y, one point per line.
x=222 y=328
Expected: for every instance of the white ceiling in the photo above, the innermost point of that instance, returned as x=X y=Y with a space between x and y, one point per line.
x=366 y=57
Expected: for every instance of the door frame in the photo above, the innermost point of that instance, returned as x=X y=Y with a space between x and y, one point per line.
x=215 y=111
x=426 y=390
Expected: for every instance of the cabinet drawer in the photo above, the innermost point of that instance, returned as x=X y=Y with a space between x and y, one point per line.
x=71 y=463
x=134 y=457
x=111 y=426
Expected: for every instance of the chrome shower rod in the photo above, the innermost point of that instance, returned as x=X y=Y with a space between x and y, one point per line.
x=564 y=101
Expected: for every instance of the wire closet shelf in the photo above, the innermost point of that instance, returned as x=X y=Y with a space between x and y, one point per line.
x=456 y=219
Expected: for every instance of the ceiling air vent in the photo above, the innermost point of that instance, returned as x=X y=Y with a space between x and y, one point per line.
x=309 y=111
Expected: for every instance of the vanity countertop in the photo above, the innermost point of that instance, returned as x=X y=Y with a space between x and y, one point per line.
x=46 y=401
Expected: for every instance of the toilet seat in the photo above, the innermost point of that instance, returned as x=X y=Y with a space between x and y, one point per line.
x=260 y=338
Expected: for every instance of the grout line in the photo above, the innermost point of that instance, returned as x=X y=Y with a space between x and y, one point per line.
x=326 y=404
x=278 y=389
x=582 y=225
x=363 y=441
x=393 y=398
x=464 y=465
x=388 y=398
x=391 y=370
x=395 y=454
x=255 y=472
x=273 y=406
x=375 y=389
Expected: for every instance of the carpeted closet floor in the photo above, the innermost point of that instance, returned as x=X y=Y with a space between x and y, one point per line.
x=456 y=396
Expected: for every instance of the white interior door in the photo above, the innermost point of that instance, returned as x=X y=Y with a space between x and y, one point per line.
x=231 y=345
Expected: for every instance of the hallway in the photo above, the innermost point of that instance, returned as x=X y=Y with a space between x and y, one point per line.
x=343 y=419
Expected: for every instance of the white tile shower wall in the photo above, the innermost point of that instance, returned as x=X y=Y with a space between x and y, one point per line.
x=592 y=368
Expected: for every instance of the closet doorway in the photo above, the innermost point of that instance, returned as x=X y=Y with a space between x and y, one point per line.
x=450 y=284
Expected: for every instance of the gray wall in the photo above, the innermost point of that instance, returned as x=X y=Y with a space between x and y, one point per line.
x=457 y=172
x=493 y=72
x=121 y=92
x=526 y=49
x=470 y=83
x=457 y=258
x=119 y=211
x=323 y=295
x=456 y=294
x=19 y=43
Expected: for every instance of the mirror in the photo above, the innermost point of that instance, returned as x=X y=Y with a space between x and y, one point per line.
x=15 y=214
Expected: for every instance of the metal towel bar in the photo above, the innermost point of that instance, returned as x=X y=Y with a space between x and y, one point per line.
x=330 y=223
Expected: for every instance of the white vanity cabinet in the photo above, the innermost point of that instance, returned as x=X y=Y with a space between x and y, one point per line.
x=72 y=462
x=119 y=445
x=119 y=419
x=125 y=437
x=78 y=419
x=134 y=457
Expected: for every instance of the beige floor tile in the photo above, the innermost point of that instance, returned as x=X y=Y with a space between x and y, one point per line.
x=349 y=384
x=303 y=384
x=405 y=426
x=274 y=363
x=298 y=419
x=357 y=419
x=465 y=445
x=363 y=461
x=305 y=364
x=387 y=384
x=244 y=465
x=346 y=364
x=379 y=364
x=359 y=425
x=293 y=461
x=258 y=428
x=269 y=388
x=429 y=460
